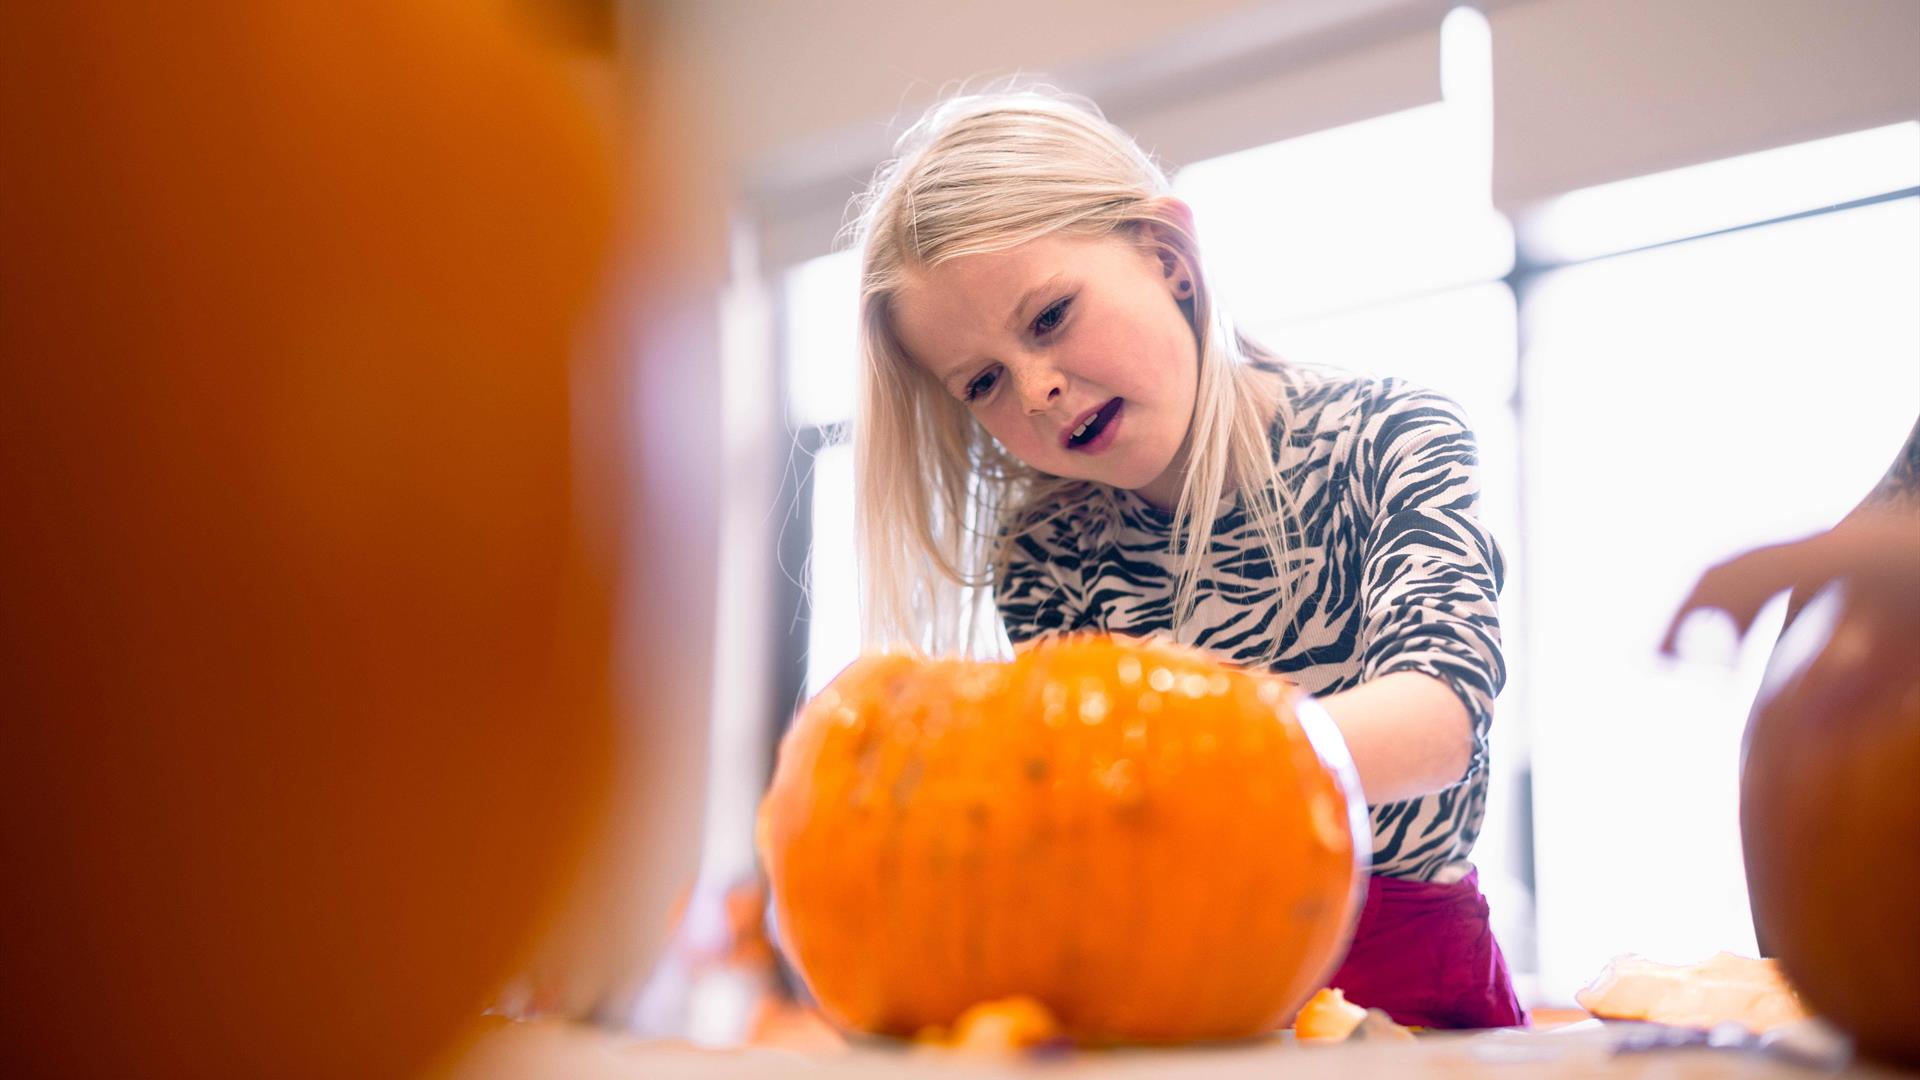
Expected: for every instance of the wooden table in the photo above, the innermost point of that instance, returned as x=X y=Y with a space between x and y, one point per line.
x=509 y=1051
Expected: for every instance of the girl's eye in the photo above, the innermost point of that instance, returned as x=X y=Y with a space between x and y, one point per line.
x=981 y=383
x=1049 y=320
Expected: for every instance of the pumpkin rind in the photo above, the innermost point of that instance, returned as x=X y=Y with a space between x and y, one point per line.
x=1327 y=1017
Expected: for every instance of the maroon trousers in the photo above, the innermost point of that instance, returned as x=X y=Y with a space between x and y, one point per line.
x=1424 y=954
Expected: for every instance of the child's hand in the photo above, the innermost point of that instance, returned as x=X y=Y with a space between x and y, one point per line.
x=1880 y=551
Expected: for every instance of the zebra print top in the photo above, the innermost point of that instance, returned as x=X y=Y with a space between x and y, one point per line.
x=1392 y=570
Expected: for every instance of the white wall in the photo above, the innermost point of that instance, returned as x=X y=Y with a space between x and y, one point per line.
x=785 y=74
x=796 y=94
x=1588 y=91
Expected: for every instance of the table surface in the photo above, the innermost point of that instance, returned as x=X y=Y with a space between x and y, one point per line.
x=510 y=1051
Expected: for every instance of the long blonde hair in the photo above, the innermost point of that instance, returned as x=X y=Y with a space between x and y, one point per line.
x=939 y=502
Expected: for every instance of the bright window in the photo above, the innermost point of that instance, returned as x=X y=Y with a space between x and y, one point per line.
x=1729 y=193
x=1684 y=403
x=1352 y=216
x=833 y=627
x=821 y=318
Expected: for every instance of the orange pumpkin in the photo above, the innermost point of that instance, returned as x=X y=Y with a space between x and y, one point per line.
x=1830 y=813
x=1829 y=807
x=305 y=668
x=1149 y=844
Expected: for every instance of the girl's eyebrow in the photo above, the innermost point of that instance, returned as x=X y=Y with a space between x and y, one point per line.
x=1017 y=318
x=958 y=372
x=1014 y=324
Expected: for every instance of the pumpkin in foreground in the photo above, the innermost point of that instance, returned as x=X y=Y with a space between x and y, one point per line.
x=1829 y=810
x=306 y=591
x=1151 y=845
x=1830 y=816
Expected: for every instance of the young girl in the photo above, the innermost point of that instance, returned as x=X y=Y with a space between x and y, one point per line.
x=1056 y=418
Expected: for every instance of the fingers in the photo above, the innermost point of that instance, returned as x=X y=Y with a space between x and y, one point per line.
x=1881 y=550
x=1742 y=585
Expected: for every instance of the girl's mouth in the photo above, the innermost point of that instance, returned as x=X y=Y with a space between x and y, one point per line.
x=1095 y=430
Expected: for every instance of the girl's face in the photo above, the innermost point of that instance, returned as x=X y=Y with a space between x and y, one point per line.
x=1072 y=351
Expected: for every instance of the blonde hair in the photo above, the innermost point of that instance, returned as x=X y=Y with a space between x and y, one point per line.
x=939 y=503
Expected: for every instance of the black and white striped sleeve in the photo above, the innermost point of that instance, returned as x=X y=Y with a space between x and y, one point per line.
x=1432 y=572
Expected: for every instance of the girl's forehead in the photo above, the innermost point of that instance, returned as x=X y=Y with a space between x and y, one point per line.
x=965 y=290
x=986 y=268
x=1011 y=271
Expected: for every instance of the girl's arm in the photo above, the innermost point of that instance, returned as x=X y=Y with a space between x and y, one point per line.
x=1431 y=663
x=1408 y=733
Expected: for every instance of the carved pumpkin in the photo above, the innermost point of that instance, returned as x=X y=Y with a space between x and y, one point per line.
x=1152 y=846
x=305 y=663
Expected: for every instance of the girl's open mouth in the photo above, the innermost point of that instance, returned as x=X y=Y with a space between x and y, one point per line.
x=1095 y=432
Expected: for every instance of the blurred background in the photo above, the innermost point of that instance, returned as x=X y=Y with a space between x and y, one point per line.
x=1666 y=253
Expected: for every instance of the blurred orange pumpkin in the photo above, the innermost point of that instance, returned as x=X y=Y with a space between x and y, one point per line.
x=305 y=662
x=1152 y=846
x=1830 y=813
x=1829 y=807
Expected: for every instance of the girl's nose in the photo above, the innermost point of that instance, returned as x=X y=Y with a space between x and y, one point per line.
x=1040 y=386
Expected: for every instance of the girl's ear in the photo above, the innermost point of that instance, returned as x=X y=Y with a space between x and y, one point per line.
x=1173 y=209
x=1174 y=246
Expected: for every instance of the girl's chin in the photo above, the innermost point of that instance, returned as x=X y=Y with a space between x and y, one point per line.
x=1134 y=479
x=1115 y=469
